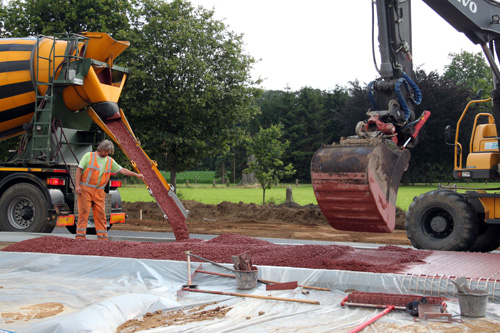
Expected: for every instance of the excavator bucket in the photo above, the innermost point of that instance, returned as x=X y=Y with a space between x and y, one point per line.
x=356 y=183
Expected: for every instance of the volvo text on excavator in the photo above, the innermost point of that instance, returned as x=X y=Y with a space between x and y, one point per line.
x=356 y=180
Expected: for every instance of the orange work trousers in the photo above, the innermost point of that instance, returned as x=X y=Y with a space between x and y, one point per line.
x=91 y=198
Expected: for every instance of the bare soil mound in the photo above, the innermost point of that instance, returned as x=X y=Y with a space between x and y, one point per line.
x=288 y=213
x=228 y=211
x=272 y=221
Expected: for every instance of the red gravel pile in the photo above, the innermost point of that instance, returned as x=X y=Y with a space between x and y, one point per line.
x=386 y=259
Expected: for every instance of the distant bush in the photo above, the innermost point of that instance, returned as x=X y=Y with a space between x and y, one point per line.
x=275 y=200
x=202 y=177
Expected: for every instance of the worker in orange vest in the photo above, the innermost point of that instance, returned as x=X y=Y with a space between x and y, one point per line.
x=92 y=175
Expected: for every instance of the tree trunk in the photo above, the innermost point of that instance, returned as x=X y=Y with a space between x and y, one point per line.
x=234 y=168
x=263 y=195
x=223 y=173
x=173 y=179
x=248 y=178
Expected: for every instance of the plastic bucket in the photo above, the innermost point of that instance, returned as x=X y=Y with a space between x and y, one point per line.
x=473 y=305
x=246 y=279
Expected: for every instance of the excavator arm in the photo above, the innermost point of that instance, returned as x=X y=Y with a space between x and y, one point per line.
x=356 y=180
x=394 y=94
x=479 y=20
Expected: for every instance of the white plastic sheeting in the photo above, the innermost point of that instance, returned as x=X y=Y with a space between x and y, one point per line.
x=101 y=293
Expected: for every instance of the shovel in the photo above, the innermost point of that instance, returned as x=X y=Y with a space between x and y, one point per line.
x=236 y=262
x=210 y=261
x=245 y=262
x=461 y=284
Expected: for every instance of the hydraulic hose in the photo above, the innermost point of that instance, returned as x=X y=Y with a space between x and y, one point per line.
x=402 y=102
x=370 y=95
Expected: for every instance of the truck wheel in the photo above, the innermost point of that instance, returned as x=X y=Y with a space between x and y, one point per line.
x=23 y=208
x=441 y=220
x=488 y=239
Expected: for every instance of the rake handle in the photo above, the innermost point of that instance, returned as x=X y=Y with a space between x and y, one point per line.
x=210 y=261
x=251 y=296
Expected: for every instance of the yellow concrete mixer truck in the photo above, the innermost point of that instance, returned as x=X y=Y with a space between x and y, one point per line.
x=51 y=90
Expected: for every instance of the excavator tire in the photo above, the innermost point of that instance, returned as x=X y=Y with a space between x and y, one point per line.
x=488 y=239
x=441 y=220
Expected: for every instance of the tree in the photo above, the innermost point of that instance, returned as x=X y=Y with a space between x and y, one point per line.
x=190 y=86
x=351 y=111
x=267 y=149
x=274 y=105
x=307 y=117
x=469 y=70
x=432 y=158
x=335 y=100
x=22 y=18
x=303 y=129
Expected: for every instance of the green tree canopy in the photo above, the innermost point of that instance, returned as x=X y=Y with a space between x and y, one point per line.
x=469 y=70
x=22 y=18
x=308 y=121
x=432 y=158
x=268 y=149
x=190 y=86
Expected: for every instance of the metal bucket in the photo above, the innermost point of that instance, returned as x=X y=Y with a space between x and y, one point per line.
x=246 y=279
x=356 y=183
x=473 y=305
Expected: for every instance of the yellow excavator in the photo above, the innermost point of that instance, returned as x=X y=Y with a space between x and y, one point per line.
x=356 y=180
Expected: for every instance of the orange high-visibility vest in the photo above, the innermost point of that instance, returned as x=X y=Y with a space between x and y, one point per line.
x=91 y=174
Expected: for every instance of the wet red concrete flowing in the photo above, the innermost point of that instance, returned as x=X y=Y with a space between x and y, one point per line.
x=143 y=163
x=385 y=259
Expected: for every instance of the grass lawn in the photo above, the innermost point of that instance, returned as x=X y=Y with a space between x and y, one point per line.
x=303 y=194
x=213 y=195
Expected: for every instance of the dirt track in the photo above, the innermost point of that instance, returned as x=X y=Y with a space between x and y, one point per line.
x=282 y=221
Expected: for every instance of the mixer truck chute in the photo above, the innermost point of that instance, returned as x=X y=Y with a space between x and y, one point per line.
x=51 y=89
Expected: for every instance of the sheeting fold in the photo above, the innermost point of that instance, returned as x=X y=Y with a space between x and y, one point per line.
x=101 y=293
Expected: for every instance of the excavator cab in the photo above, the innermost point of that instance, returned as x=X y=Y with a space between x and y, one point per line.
x=484 y=157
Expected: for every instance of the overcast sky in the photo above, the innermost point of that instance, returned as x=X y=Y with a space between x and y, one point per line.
x=324 y=43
